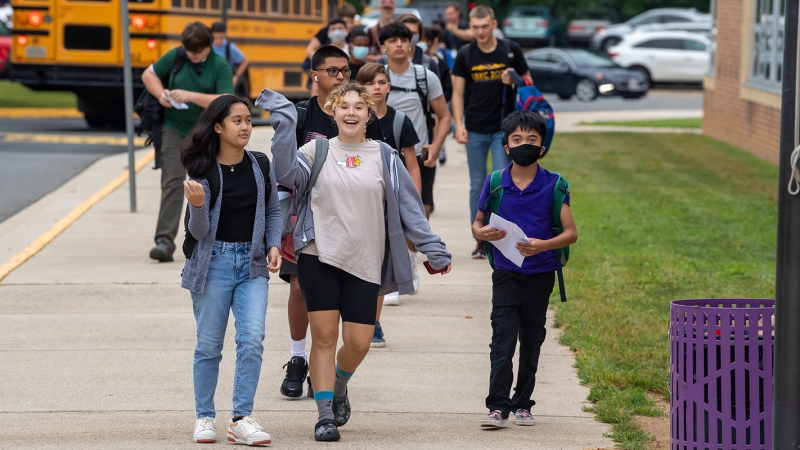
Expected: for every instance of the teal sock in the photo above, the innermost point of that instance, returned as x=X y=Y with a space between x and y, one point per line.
x=340 y=387
x=324 y=401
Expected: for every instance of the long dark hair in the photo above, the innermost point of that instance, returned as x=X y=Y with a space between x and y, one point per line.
x=199 y=150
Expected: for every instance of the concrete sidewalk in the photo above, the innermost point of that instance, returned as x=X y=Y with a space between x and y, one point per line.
x=97 y=343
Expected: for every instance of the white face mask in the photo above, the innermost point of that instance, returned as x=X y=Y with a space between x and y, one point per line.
x=423 y=46
x=414 y=39
x=337 y=36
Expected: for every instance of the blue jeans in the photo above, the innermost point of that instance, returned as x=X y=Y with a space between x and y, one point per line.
x=478 y=146
x=229 y=288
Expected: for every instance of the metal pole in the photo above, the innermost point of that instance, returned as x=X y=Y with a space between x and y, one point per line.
x=126 y=51
x=786 y=387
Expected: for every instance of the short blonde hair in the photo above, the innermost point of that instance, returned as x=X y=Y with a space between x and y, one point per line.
x=336 y=97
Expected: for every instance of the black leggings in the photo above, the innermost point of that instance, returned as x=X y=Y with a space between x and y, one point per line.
x=328 y=288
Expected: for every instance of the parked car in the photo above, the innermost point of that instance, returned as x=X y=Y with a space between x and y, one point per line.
x=584 y=74
x=372 y=18
x=5 y=49
x=532 y=26
x=665 y=56
x=581 y=30
x=687 y=19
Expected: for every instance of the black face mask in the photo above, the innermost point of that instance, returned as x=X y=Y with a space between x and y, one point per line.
x=525 y=154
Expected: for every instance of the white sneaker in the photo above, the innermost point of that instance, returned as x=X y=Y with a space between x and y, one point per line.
x=392 y=299
x=248 y=431
x=204 y=431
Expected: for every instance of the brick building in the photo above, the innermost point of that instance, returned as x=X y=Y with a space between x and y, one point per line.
x=742 y=93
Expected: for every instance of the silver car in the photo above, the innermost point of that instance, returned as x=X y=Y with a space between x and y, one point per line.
x=661 y=19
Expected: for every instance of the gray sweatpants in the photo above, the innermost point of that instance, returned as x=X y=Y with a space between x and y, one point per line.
x=172 y=176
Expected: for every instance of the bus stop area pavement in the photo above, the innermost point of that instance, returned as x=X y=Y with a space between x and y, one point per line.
x=97 y=342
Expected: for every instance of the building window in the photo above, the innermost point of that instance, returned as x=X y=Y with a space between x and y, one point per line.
x=768 y=32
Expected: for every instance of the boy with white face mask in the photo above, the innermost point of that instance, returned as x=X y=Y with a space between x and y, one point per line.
x=359 y=50
x=337 y=33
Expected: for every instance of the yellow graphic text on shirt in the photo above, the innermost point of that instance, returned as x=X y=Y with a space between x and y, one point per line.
x=487 y=72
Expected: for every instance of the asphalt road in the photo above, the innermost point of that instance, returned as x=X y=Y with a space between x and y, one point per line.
x=39 y=155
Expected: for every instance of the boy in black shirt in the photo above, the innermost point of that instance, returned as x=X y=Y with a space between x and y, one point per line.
x=330 y=67
x=480 y=80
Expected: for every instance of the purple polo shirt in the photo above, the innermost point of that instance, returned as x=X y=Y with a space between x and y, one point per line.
x=532 y=210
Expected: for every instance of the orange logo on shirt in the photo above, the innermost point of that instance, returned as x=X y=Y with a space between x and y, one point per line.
x=351 y=162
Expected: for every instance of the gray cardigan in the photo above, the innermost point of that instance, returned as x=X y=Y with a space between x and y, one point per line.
x=203 y=226
x=404 y=214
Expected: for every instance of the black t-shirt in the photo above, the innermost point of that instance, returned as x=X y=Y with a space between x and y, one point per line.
x=323 y=125
x=451 y=41
x=238 y=209
x=408 y=136
x=484 y=90
x=354 y=68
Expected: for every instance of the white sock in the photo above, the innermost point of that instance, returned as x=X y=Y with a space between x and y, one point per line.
x=412 y=256
x=299 y=348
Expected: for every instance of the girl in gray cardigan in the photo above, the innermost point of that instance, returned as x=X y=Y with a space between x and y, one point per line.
x=234 y=222
x=350 y=238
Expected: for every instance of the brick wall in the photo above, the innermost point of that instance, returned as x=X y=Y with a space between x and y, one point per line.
x=751 y=126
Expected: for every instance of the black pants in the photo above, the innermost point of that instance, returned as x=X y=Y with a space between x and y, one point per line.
x=519 y=310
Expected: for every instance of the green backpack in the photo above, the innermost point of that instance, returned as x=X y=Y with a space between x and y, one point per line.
x=560 y=192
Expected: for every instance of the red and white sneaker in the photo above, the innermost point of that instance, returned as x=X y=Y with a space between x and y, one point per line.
x=204 y=432
x=247 y=431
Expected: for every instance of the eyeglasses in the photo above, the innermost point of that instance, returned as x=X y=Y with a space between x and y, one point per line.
x=333 y=72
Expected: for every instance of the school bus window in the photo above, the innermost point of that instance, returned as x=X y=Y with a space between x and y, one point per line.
x=285 y=7
x=201 y=4
x=275 y=7
x=297 y=7
x=262 y=6
x=318 y=11
x=308 y=10
x=82 y=37
x=251 y=5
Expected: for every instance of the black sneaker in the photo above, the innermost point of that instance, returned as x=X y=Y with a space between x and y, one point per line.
x=163 y=250
x=341 y=409
x=479 y=252
x=310 y=389
x=325 y=430
x=296 y=372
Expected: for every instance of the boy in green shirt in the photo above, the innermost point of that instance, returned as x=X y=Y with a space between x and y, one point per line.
x=201 y=79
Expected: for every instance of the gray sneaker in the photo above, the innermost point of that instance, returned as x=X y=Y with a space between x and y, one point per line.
x=494 y=420
x=378 y=340
x=523 y=417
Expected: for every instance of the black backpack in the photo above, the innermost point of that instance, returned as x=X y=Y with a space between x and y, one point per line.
x=150 y=111
x=242 y=87
x=212 y=176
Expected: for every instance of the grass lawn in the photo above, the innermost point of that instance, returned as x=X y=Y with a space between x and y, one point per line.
x=659 y=123
x=15 y=95
x=660 y=218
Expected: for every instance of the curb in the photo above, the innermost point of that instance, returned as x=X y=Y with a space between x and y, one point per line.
x=40 y=113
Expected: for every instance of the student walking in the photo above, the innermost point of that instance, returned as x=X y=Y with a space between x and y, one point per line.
x=398 y=132
x=238 y=62
x=203 y=76
x=417 y=92
x=365 y=205
x=233 y=234
x=330 y=69
x=482 y=95
x=520 y=295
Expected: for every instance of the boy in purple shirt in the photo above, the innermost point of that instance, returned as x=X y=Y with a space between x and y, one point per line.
x=520 y=295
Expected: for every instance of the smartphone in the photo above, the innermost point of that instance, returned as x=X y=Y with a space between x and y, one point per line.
x=431 y=270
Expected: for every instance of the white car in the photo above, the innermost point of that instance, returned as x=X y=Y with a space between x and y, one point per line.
x=687 y=19
x=665 y=56
x=372 y=18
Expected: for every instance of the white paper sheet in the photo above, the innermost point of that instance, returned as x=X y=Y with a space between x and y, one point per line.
x=175 y=104
x=508 y=245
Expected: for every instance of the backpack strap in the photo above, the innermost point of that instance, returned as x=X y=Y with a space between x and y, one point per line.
x=263 y=164
x=397 y=128
x=228 y=51
x=320 y=154
x=302 y=120
x=490 y=206
x=177 y=64
x=560 y=192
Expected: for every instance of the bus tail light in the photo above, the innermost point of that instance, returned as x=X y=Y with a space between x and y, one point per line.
x=138 y=21
x=35 y=18
x=151 y=44
x=22 y=40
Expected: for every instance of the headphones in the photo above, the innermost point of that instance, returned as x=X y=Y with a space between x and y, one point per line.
x=316 y=78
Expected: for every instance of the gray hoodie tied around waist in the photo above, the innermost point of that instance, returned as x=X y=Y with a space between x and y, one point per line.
x=404 y=214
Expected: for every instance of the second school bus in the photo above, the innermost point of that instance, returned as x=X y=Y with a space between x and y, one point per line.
x=76 y=45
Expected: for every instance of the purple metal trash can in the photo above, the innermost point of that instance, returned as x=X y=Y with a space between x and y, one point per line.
x=721 y=374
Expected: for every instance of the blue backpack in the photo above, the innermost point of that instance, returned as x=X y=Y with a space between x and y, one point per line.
x=529 y=98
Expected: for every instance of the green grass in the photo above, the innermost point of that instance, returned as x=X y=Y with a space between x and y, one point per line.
x=15 y=95
x=660 y=218
x=658 y=123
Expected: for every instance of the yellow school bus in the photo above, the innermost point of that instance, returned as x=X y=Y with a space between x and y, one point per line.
x=76 y=45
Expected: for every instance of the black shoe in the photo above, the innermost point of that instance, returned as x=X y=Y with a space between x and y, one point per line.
x=341 y=409
x=296 y=371
x=163 y=250
x=310 y=389
x=479 y=252
x=325 y=430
